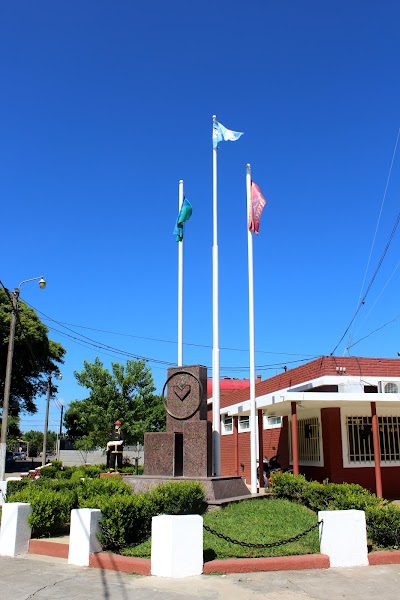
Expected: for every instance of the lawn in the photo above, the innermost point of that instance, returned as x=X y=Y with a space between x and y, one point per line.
x=257 y=521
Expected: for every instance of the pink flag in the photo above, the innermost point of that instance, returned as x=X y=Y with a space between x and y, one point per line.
x=257 y=204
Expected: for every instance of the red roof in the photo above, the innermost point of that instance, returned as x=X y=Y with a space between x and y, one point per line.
x=324 y=365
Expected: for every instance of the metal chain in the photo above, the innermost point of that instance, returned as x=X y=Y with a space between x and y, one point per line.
x=113 y=543
x=269 y=545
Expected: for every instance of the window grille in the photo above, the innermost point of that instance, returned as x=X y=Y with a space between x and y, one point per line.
x=308 y=435
x=360 y=445
x=391 y=388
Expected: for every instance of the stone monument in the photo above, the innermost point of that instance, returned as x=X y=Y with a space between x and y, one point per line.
x=184 y=450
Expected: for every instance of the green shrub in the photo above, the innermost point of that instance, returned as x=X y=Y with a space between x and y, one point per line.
x=383 y=526
x=178 y=498
x=51 y=509
x=49 y=472
x=16 y=486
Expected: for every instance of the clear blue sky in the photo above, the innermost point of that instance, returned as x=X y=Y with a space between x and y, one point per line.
x=105 y=105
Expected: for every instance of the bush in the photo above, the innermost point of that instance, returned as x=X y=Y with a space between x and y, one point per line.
x=383 y=526
x=180 y=498
x=51 y=509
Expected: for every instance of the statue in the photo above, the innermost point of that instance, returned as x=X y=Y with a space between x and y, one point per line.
x=115 y=448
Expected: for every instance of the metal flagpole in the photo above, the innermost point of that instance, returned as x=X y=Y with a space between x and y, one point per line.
x=216 y=420
x=180 y=284
x=253 y=413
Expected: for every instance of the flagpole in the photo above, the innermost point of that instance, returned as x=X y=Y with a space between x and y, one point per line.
x=180 y=284
x=216 y=419
x=253 y=420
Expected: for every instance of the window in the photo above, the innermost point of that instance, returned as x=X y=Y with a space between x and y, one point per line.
x=244 y=423
x=360 y=447
x=391 y=388
x=271 y=422
x=309 y=441
x=227 y=426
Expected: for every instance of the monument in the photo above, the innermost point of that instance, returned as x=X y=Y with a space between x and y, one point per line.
x=184 y=450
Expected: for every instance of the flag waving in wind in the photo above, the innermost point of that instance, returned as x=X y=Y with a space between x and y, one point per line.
x=184 y=215
x=257 y=204
x=221 y=133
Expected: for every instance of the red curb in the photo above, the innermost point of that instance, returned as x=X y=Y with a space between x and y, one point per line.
x=384 y=558
x=276 y=563
x=48 y=548
x=116 y=562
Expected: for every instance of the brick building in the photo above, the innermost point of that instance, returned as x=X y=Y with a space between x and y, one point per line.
x=329 y=418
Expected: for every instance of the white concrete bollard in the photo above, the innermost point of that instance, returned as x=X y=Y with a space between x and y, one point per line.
x=15 y=532
x=343 y=537
x=82 y=537
x=177 y=545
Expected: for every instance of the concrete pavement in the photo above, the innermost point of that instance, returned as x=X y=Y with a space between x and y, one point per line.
x=43 y=578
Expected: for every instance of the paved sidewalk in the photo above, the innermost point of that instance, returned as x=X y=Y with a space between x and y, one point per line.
x=43 y=578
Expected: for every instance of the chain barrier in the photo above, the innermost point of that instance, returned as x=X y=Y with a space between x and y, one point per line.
x=115 y=544
x=269 y=545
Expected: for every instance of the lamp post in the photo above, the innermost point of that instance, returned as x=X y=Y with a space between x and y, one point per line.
x=7 y=383
x=46 y=420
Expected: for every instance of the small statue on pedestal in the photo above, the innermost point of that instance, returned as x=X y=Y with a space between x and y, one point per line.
x=115 y=448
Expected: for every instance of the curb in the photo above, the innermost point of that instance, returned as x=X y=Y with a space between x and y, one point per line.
x=142 y=566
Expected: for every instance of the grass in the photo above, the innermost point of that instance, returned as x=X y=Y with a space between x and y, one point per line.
x=257 y=521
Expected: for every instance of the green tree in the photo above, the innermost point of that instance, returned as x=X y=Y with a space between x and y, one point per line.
x=35 y=439
x=125 y=393
x=35 y=356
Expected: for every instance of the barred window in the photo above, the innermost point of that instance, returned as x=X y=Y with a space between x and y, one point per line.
x=309 y=440
x=360 y=445
x=391 y=388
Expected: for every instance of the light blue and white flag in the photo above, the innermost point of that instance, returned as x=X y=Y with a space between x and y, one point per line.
x=221 y=133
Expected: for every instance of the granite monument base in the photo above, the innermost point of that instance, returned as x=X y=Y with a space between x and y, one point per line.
x=216 y=488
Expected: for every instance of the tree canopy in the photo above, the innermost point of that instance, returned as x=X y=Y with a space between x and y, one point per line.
x=126 y=393
x=35 y=356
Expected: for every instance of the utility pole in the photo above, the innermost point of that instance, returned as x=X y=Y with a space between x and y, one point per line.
x=7 y=386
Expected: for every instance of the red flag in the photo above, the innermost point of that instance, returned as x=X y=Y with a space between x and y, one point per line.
x=257 y=204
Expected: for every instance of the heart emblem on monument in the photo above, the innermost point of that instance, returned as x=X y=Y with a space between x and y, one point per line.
x=182 y=390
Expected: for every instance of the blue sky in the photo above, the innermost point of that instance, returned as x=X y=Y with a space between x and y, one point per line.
x=105 y=105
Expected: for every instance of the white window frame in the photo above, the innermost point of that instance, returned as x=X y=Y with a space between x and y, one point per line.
x=309 y=414
x=241 y=419
x=364 y=411
x=225 y=429
x=268 y=425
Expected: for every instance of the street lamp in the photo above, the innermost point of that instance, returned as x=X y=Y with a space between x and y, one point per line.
x=7 y=383
x=46 y=420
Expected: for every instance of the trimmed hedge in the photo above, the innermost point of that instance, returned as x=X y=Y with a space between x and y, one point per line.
x=125 y=515
x=383 y=519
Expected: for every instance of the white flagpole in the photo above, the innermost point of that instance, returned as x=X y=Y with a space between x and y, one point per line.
x=180 y=284
x=216 y=420
x=253 y=417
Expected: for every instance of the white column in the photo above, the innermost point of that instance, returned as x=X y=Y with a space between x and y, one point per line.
x=343 y=537
x=15 y=532
x=177 y=545
x=253 y=413
x=180 y=284
x=83 y=535
x=216 y=420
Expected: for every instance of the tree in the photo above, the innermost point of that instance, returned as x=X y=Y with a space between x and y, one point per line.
x=127 y=393
x=35 y=440
x=34 y=358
